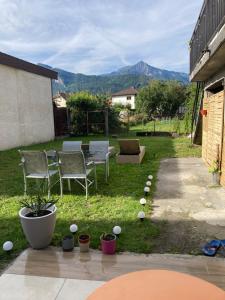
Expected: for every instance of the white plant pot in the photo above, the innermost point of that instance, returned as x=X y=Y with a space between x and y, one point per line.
x=215 y=178
x=38 y=230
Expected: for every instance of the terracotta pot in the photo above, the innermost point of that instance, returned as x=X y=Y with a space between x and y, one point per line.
x=203 y=112
x=108 y=243
x=84 y=242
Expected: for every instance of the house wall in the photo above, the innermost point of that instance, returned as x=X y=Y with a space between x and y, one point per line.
x=26 y=111
x=213 y=144
x=123 y=100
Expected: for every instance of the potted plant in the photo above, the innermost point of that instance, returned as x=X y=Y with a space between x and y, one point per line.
x=84 y=242
x=38 y=217
x=203 y=112
x=214 y=169
x=68 y=242
x=108 y=243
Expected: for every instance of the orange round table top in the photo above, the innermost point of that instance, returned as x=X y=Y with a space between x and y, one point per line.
x=157 y=285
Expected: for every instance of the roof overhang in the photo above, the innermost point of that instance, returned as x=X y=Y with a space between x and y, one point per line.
x=20 y=64
x=211 y=61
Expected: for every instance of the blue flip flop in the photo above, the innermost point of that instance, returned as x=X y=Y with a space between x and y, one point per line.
x=211 y=248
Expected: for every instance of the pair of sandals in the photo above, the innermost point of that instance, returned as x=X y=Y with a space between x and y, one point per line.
x=211 y=248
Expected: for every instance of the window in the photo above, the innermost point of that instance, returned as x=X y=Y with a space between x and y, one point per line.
x=128 y=97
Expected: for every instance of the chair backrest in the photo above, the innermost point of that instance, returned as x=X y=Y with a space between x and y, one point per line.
x=71 y=162
x=129 y=147
x=71 y=146
x=34 y=162
x=99 y=148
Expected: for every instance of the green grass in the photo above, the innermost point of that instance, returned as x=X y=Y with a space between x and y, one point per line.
x=116 y=203
x=172 y=125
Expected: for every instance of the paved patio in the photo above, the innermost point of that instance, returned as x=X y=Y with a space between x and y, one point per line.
x=52 y=274
x=193 y=210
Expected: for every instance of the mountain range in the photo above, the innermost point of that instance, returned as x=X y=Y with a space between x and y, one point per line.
x=137 y=75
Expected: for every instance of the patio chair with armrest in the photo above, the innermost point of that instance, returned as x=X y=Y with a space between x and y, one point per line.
x=72 y=165
x=71 y=146
x=100 y=154
x=130 y=151
x=35 y=166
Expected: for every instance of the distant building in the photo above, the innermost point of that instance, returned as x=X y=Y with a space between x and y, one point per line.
x=60 y=99
x=125 y=97
x=61 y=114
x=26 y=112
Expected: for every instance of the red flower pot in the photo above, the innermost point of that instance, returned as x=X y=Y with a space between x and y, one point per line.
x=108 y=243
x=203 y=112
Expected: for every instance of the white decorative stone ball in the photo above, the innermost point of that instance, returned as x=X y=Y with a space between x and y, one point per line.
x=148 y=183
x=117 y=230
x=150 y=177
x=73 y=228
x=141 y=215
x=7 y=246
x=146 y=189
x=142 y=201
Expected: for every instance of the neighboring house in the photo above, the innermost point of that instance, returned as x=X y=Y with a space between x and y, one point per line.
x=125 y=97
x=207 y=66
x=26 y=110
x=61 y=114
x=60 y=99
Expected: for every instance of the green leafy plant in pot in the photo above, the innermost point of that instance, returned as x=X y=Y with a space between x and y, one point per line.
x=38 y=217
x=214 y=169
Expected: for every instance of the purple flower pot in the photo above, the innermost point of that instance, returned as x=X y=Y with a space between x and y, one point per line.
x=108 y=243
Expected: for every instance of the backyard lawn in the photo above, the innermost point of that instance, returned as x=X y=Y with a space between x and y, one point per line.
x=116 y=203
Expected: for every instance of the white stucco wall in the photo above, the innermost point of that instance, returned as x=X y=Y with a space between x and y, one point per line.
x=123 y=100
x=26 y=111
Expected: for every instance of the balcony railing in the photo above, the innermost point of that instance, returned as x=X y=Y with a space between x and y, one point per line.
x=210 y=21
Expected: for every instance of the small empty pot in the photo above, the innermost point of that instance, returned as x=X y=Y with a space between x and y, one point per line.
x=84 y=242
x=68 y=243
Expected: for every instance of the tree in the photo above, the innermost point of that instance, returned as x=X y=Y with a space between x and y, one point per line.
x=161 y=98
x=81 y=103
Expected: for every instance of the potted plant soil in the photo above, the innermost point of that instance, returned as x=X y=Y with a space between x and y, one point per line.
x=108 y=243
x=215 y=171
x=68 y=243
x=84 y=242
x=38 y=217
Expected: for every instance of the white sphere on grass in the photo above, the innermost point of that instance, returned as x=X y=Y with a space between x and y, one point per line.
x=146 y=189
x=142 y=201
x=117 y=230
x=7 y=246
x=73 y=228
x=148 y=183
x=150 y=177
x=141 y=215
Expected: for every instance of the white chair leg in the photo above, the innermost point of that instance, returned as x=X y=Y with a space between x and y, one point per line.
x=106 y=172
x=25 y=186
x=86 y=187
x=49 y=187
x=69 y=185
x=95 y=174
x=61 y=187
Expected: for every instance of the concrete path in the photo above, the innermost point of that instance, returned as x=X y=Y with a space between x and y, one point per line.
x=55 y=275
x=194 y=211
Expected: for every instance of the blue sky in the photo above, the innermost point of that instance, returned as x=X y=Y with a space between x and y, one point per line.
x=99 y=36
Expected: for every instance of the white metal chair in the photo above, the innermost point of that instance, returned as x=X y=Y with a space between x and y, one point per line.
x=35 y=166
x=100 y=154
x=71 y=146
x=72 y=166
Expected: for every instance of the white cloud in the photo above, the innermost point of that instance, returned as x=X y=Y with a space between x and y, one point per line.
x=97 y=36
